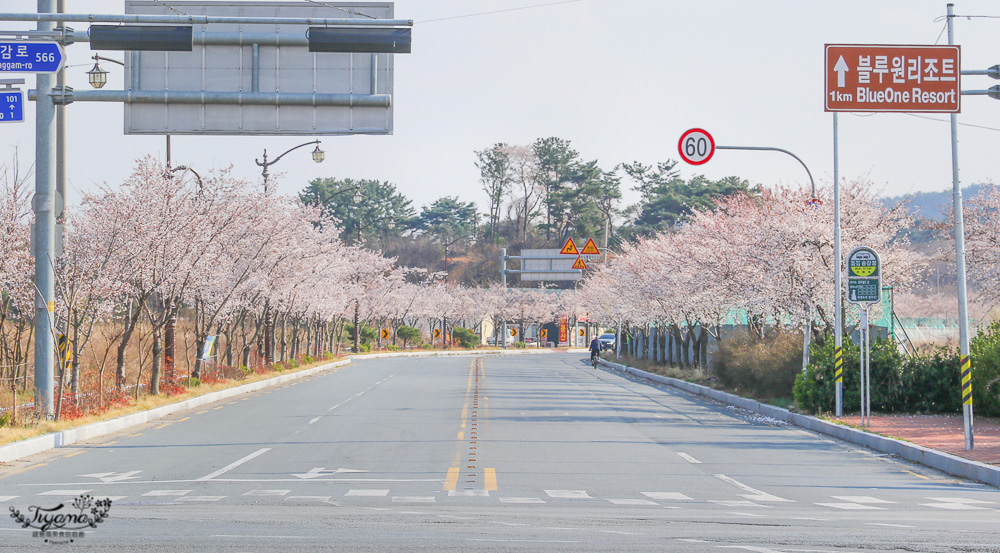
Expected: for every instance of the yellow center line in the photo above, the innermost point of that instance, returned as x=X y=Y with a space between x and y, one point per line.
x=490 y=480
x=461 y=436
x=22 y=471
x=184 y=419
x=201 y=412
x=75 y=453
x=451 y=482
x=163 y=426
x=917 y=475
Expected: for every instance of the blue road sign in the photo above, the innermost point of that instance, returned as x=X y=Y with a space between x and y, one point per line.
x=11 y=106
x=31 y=57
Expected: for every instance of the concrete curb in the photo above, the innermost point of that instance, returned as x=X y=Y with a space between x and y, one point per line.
x=945 y=462
x=24 y=448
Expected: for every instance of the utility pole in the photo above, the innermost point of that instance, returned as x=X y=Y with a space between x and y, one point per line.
x=44 y=206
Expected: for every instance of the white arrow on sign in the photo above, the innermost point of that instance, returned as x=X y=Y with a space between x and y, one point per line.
x=841 y=69
x=113 y=476
x=321 y=471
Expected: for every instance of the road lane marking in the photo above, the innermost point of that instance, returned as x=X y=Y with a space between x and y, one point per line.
x=524 y=500
x=8 y=497
x=268 y=493
x=490 y=478
x=412 y=499
x=864 y=499
x=888 y=525
x=688 y=458
x=314 y=420
x=184 y=419
x=739 y=504
x=668 y=496
x=755 y=494
x=961 y=500
x=308 y=498
x=451 y=481
x=75 y=453
x=65 y=492
x=334 y=407
x=201 y=412
x=201 y=498
x=163 y=426
x=166 y=493
x=921 y=476
x=568 y=494
x=231 y=466
x=468 y=493
x=633 y=502
x=955 y=506
x=851 y=506
x=367 y=493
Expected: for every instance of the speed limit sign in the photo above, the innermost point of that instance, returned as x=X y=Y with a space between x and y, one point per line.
x=696 y=146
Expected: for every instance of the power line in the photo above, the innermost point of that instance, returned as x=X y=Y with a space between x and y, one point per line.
x=500 y=11
x=932 y=119
x=324 y=4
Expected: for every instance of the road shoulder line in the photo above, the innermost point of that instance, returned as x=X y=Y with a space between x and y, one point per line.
x=945 y=462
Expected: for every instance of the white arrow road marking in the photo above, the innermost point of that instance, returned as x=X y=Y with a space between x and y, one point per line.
x=755 y=494
x=841 y=69
x=231 y=466
x=113 y=476
x=321 y=471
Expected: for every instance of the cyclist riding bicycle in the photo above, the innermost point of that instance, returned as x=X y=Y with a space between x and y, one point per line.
x=595 y=351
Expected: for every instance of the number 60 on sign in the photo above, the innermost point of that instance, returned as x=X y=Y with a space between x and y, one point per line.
x=696 y=146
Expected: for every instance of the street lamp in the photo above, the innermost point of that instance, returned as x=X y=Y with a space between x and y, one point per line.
x=390 y=223
x=317 y=155
x=98 y=77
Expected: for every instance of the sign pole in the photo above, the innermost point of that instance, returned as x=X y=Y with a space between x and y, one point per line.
x=44 y=206
x=838 y=302
x=503 y=282
x=963 y=306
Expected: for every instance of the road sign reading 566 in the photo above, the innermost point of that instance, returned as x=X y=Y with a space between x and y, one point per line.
x=696 y=146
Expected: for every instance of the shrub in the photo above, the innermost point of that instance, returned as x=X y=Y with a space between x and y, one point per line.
x=408 y=334
x=293 y=363
x=327 y=355
x=985 y=350
x=5 y=419
x=466 y=338
x=365 y=348
x=763 y=369
x=520 y=345
x=391 y=347
x=190 y=382
x=924 y=383
x=308 y=360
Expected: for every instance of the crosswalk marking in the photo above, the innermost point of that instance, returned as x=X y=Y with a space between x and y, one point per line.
x=521 y=500
x=308 y=498
x=412 y=499
x=955 y=506
x=851 y=506
x=739 y=504
x=961 y=500
x=568 y=494
x=468 y=493
x=65 y=492
x=203 y=498
x=367 y=493
x=668 y=496
x=861 y=499
x=755 y=494
x=164 y=493
x=271 y=493
x=633 y=502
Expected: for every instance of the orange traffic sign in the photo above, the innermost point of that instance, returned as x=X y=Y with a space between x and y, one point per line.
x=590 y=248
x=513 y=332
x=893 y=78
x=543 y=333
x=579 y=264
x=385 y=333
x=569 y=248
x=437 y=332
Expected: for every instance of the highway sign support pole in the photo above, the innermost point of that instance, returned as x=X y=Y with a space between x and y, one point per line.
x=503 y=281
x=963 y=306
x=44 y=207
x=838 y=302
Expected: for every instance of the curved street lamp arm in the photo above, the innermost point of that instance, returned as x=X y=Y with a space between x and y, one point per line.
x=266 y=163
x=98 y=57
x=767 y=148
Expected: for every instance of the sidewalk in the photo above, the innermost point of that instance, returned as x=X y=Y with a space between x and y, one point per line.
x=940 y=432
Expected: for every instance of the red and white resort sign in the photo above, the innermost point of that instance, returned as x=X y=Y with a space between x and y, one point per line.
x=887 y=78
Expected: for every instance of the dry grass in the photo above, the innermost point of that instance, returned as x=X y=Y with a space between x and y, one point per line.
x=37 y=427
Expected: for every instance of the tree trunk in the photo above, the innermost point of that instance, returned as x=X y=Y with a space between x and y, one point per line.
x=154 y=376
x=130 y=323
x=357 y=329
x=169 y=348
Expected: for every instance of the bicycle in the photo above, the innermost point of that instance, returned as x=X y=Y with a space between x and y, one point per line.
x=594 y=357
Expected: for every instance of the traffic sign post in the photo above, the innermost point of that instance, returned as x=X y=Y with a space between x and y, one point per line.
x=696 y=146
x=31 y=57
x=886 y=78
x=11 y=106
x=864 y=288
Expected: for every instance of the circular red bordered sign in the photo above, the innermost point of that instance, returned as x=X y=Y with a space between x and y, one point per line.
x=696 y=146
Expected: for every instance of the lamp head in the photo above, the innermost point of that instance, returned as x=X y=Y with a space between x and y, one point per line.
x=97 y=76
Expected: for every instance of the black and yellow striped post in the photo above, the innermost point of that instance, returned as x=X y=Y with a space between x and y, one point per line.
x=838 y=376
x=967 y=399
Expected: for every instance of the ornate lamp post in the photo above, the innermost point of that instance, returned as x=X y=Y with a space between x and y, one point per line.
x=317 y=155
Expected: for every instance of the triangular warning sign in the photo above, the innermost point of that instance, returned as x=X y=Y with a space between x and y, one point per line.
x=569 y=248
x=579 y=264
x=591 y=248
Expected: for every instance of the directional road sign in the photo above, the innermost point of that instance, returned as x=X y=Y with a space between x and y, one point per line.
x=696 y=146
x=31 y=57
x=886 y=78
x=11 y=106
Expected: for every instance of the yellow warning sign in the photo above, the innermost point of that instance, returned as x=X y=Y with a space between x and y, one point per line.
x=543 y=333
x=591 y=248
x=385 y=333
x=569 y=248
x=579 y=264
x=583 y=332
x=437 y=332
x=513 y=332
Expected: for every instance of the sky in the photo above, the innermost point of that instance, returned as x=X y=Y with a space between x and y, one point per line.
x=620 y=80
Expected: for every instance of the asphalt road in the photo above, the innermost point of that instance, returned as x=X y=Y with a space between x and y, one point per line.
x=530 y=453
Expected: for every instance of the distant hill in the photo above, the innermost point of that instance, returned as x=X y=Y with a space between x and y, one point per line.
x=932 y=205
